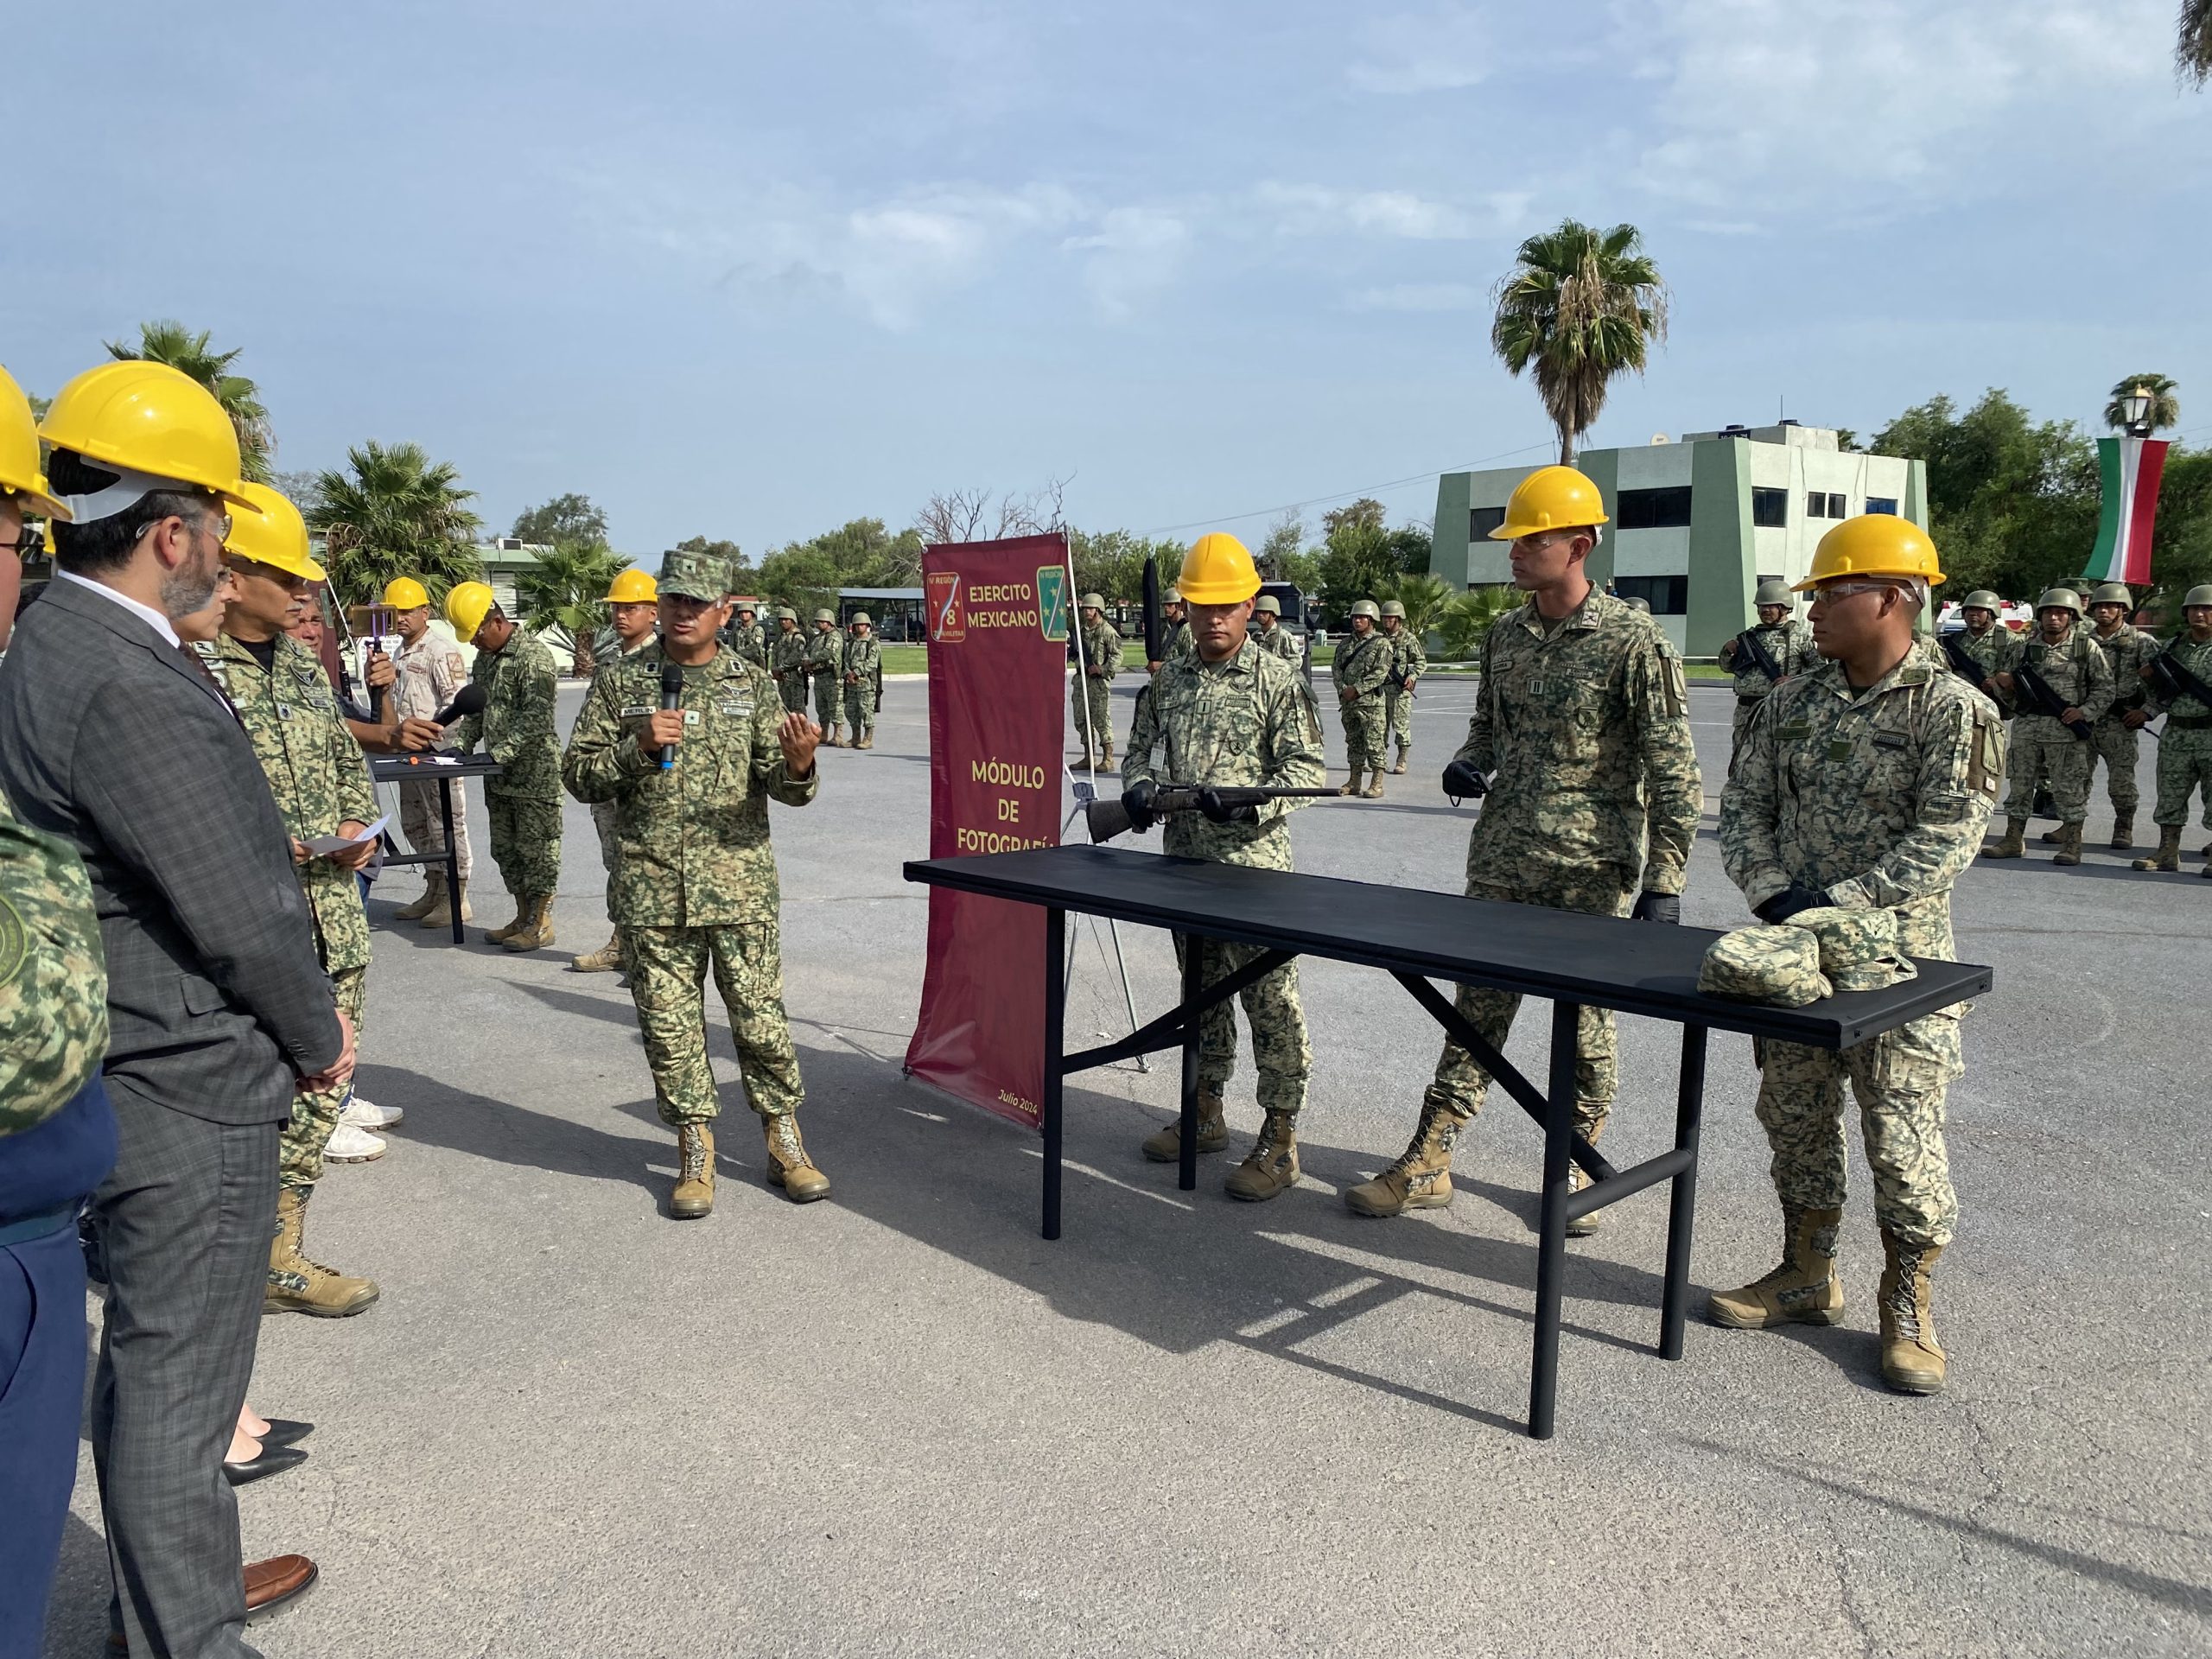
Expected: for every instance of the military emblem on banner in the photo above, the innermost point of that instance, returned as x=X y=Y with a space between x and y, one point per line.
x=948 y=616
x=1053 y=600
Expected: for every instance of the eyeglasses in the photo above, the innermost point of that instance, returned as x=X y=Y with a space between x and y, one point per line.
x=28 y=543
x=1846 y=589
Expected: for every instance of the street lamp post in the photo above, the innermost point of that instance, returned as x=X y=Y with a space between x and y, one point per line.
x=2136 y=406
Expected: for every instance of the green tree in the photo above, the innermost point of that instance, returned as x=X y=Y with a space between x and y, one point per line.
x=1581 y=306
x=395 y=512
x=1423 y=595
x=2193 y=42
x=859 y=553
x=2165 y=404
x=1283 y=546
x=567 y=589
x=741 y=574
x=301 y=489
x=171 y=342
x=1467 y=619
x=1366 y=513
x=564 y=521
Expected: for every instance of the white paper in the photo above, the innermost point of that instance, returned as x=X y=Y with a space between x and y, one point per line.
x=324 y=846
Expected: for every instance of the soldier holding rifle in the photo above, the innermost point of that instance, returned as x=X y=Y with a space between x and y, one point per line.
x=2180 y=690
x=1776 y=647
x=2061 y=682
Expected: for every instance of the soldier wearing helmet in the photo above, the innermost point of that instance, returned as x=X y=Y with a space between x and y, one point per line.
x=1268 y=631
x=2114 y=738
x=744 y=634
x=2185 y=753
x=1865 y=785
x=787 y=660
x=1583 y=717
x=633 y=612
x=429 y=672
x=1097 y=648
x=2045 y=749
x=825 y=665
x=1361 y=673
x=1408 y=662
x=863 y=676
x=523 y=800
x=1786 y=644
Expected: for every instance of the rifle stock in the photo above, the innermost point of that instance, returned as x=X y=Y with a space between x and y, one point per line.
x=1968 y=669
x=2046 y=700
x=1761 y=658
x=2175 y=681
x=1106 y=819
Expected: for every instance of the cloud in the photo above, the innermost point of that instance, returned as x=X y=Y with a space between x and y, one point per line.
x=1320 y=210
x=1136 y=253
x=1425 y=52
x=1419 y=297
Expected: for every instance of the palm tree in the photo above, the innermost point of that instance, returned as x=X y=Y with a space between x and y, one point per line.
x=567 y=589
x=171 y=342
x=1467 y=619
x=394 y=512
x=1581 y=306
x=2193 y=47
x=2165 y=406
x=1423 y=597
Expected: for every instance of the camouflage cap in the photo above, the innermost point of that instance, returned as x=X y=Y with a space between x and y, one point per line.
x=1779 y=966
x=1268 y=603
x=694 y=575
x=1774 y=591
x=1848 y=937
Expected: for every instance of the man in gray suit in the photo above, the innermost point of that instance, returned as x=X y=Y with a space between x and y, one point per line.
x=113 y=739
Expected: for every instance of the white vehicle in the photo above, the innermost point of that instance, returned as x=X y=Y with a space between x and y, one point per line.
x=2017 y=616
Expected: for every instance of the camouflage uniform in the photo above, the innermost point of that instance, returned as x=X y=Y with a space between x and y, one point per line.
x=52 y=977
x=748 y=640
x=825 y=652
x=1363 y=666
x=524 y=801
x=1878 y=800
x=1178 y=643
x=428 y=674
x=2185 y=753
x=787 y=660
x=602 y=812
x=1790 y=642
x=696 y=880
x=863 y=663
x=320 y=780
x=2128 y=651
x=2043 y=750
x=1282 y=642
x=1246 y=721
x=1090 y=696
x=1992 y=652
x=1408 y=662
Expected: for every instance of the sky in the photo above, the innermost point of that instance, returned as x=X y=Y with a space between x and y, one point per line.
x=752 y=271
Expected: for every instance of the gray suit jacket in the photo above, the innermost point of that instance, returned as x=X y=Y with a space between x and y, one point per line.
x=112 y=739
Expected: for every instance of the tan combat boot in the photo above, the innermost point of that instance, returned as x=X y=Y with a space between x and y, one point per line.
x=1271 y=1168
x=1804 y=1290
x=833 y=737
x=537 y=934
x=1374 y=790
x=1421 y=1179
x=606 y=959
x=2123 y=832
x=1590 y=1123
x=2015 y=844
x=1166 y=1145
x=501 y=935
x=695 y=1172
x=441 y=914
x=789 y=1167
x=2069 y=845
x=2050 y=838
x=867 y=738
x=1106 y=763
x=2167 y=857
x=299 y=1285
x=1912 y=1360
x=1399 y=770
x=427 y=903
x=1350 y=783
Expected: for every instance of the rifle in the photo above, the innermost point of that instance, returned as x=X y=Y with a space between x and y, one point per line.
x=1963 y=661
x=2042 y=699
x=1761 y=658
x=1106 y=819
x=2174 y=681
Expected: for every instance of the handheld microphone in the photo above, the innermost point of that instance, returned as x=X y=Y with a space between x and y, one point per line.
x=672 y=698
x=469 y=700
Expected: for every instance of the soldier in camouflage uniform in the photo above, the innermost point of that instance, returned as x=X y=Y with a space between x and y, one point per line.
x=695 y=884
x=787 y=660
x=1408 y=662
x=524 y=800
x=1786 y=640
x=1098 y=659
x=2114 y=740
x=1175 y=633
x=863 y=679
x=321 y=784
x=824 y=659
x=1583 y=718
x=1864 y=785
x=1986 y=641
x=2185 y=753
x=1268 y=631
x=745 y=637
x=634 y=608
x=1228 y=712
x=2045 y=749
x=1360 y=673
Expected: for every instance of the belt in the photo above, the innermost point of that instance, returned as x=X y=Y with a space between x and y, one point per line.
x=42 y=1226
x=2189 y=722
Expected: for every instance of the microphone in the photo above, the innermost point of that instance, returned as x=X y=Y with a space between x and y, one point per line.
x=671 y=697
x=469 y=700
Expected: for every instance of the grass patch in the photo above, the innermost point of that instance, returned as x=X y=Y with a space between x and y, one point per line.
x=915 y=659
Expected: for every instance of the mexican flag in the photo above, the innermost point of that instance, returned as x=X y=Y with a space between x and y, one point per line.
x=2131 y=467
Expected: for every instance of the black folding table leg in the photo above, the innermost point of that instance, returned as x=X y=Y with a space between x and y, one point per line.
x=1551 y=1250
x=1689 y=1105
x=1055 y=1007
x=1187 y=1169
x=452 y=855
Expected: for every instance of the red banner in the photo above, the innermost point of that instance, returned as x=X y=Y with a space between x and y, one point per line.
x=998 y=623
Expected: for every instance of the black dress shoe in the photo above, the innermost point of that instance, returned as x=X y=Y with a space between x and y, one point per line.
x=285 y=1431
x=273 y=1460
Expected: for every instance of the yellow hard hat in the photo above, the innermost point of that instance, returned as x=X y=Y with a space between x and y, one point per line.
x=20 y=473
x=405 y=593
x=1874 y=544
x=632 y=587
x=151 y=419
x=1217 y=570
x=273 y=534
x=467 y=607
x=1551 y=497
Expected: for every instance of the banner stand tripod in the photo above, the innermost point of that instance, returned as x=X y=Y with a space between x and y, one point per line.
x=1085 y=792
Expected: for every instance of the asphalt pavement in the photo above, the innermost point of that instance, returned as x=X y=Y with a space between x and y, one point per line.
x=899 y=1421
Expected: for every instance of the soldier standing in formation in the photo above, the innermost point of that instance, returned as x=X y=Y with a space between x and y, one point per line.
x=1268 y=631
x=1408 y=662
x=524 y=801
x=428 y=672
x=633 y=612
x=2045 y=749
x=786 y=654
x=744 y=636
x=1582 y=724
x=1865 y=785
x=863 y=679
x=1175 y=634
x=321 y=784
x=825 y=656
x=691 y=787
x=1788 y=644
x=1360 y=673
x=2185 y=753
x=1098 y=659
x=1230 y=714
x=1990 y=647
x=2114 y=740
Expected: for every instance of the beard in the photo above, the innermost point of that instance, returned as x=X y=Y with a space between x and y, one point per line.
x=190 y=586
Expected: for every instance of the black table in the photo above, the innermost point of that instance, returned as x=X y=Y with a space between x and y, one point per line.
x=1414 y=937
x=445 y=772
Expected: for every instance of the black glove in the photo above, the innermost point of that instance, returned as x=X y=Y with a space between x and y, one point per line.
x=1220 y=812
x=1657 y=907
x=1136 y=801
x=1462 y=782
x=1784 y=905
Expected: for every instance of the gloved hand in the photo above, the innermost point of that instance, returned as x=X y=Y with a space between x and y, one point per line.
x=1136 y=801
x=1784 y=905
x=1462 y=782
x=1220 y=812
x=1657 y=907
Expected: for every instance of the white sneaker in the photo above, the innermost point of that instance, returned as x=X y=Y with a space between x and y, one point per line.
x=365 y=1114
x=350 y=1146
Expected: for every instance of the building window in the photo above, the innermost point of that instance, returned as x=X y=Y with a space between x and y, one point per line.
x=1770 y=508
x=1663 y=509
x=1836 y=509
x=1882 y=504
x=1666 y=595
x=1820 y=505
x=1482 y=521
